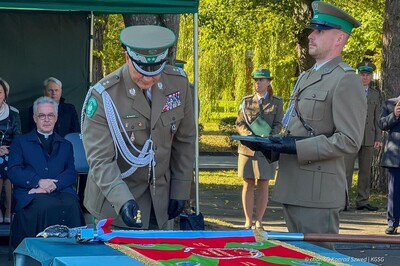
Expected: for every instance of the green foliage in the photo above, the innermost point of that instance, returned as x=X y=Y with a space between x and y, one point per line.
x=237 y=36
x=227 y=126
x=113 y=53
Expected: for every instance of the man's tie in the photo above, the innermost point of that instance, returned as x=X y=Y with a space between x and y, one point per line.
x=146 y=96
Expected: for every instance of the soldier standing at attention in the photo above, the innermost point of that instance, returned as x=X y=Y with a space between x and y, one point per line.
x=324 y=122
x=371 y=141
x=139 y=135
x=252 y=165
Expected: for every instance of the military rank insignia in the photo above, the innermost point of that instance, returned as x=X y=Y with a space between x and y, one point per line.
x=173 y=101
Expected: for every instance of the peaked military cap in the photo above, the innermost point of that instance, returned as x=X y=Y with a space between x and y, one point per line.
x=147 y=46
x=327 y=16
x=180 y=63
x=261 y=73
x=366 y=66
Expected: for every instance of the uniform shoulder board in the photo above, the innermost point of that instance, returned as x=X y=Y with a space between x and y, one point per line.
x=375 y=89
x=277 y=97
x=247 y=97
x=106 y=83
x=14 y=109
x=346 y=67
x=174 y=70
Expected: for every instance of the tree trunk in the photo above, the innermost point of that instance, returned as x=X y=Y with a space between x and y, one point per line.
x=302 y=15
x=170 y=21
x=390 y=74
x=98 y=38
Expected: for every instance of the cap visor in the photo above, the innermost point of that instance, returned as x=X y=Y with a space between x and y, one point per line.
x=318 y=27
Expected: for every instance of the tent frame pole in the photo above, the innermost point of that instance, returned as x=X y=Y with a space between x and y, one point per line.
x=196 y=106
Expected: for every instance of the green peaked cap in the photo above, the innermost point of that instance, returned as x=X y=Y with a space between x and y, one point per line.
x=261 y=73
x=366 y=66
x=327 y=16
x=147 y=44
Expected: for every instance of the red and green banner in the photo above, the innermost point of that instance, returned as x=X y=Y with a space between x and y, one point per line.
x=222 y=248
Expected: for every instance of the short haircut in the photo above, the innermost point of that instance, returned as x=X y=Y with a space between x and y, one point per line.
x=5 y=86
x=52 y=79
x=43 y=100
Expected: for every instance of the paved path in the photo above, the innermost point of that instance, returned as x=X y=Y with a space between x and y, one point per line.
x=218 y=162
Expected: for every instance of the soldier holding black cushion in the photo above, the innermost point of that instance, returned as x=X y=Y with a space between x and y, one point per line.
x=139 y=135
x=324 y=122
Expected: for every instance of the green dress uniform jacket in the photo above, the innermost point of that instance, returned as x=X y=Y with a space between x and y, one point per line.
x=272 y=113
x=372 y=131
x=172 y=130
x=332 y=102
x=365 y=155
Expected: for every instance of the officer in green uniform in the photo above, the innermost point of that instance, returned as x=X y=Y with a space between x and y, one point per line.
x=324 y=122
x=371 y=140
x=139 y=135
x=260 y=114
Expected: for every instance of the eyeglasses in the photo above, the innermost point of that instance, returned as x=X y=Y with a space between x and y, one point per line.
x=44 y=116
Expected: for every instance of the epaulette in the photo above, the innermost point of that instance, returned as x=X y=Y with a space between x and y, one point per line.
x=14 y=109
x=346 y=67
x=106 y=83
x=277 y=97
x=174 y=70
x=375 y=89
x=246 y=97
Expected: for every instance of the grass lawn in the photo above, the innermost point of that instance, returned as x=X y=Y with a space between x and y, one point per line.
x=212 y=140
x=220 y=180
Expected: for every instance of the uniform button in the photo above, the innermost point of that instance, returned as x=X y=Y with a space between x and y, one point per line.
x=28 y=182
x=309 y=162
x=140 y=124
x=314 y=95
x=46 y=169
x=173 y=118
x=319 y=167
x=293 y=114
x=132 y=127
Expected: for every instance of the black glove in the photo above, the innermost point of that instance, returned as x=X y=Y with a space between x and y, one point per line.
x=285 y=144
x=129 y=213
x=280 y=144
x=175 y=208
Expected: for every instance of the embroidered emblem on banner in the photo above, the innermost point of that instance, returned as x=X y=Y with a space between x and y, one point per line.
x=173 y=101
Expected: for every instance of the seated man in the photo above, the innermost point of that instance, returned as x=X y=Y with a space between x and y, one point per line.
x=67 y=121
x=41 y=168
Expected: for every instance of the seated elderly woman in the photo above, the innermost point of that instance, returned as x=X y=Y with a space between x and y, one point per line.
x=41 y=168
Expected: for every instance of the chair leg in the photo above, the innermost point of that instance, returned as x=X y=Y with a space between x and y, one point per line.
x=10 y=247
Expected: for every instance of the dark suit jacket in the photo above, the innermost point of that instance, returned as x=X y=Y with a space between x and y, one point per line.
x=28 y=163
x=390 y=123
x=67 y=121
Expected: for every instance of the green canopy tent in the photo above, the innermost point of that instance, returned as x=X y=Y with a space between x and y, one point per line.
x=53 y=38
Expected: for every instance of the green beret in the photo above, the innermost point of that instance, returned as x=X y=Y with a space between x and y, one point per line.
x=366 y=66
x=327 y=16
x=261 y=73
